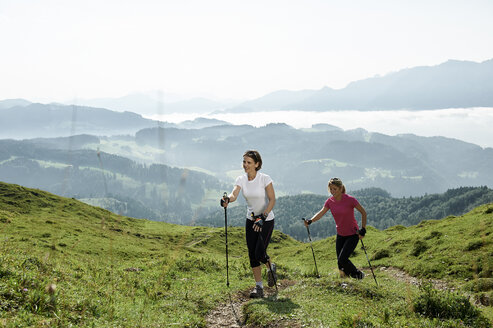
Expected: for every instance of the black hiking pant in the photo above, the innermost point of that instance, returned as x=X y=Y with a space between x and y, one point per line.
x=345 y=246
x=252 y=238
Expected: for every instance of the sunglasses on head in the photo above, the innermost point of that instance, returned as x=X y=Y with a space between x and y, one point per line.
x=252 y=155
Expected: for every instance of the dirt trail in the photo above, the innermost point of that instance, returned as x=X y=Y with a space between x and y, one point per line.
x=230 y=314
x=404 y=276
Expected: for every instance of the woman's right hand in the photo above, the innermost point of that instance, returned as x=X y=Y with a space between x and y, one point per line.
x=225 y=201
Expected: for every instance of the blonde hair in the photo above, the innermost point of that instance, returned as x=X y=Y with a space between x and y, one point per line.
x=338 y=183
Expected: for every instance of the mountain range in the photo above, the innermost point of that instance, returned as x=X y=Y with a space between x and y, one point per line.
x=151 y=104
x=21 y=119
x=303 y=160
x=452 y=84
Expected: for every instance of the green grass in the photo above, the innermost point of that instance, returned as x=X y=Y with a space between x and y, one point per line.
x=64 y=263
x=129 y=149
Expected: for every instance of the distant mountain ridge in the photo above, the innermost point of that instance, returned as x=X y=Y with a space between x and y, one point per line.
x=8 y=103
x=453 y=84
x=145 y=104
x=20 y=119
x=301 y=160
x=54 y=120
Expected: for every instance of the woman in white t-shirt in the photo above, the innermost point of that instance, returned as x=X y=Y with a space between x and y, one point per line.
x=258 y=191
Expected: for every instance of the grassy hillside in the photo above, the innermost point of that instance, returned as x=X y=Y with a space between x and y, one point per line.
x=64 y=263
x=383 y=210
x=154 y=191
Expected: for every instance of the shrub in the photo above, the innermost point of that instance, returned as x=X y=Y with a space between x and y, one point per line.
x=398 y=227
x=380 y=254
x=419 y=247
x=433 y=303
x=434 y=234
x=480 y=285
x=348 y=321
x=485 y=299
x=474 y=244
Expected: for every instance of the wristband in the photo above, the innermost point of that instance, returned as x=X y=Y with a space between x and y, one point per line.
x=362 y=232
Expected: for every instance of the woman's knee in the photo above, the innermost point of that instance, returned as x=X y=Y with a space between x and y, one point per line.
x=254 y=263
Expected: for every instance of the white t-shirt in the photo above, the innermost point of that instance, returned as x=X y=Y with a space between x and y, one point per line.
x=255 y=194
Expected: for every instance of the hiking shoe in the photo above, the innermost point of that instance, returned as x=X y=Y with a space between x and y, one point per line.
x=359 y=275
x=257 y=292
x=271 y=275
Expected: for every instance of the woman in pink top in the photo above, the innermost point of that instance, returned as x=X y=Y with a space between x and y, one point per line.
x=342 y=208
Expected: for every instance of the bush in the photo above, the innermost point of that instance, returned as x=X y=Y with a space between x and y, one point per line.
x=380 y=254
x=485 y=299
x=480 y=285
x=434 y=234
x=433 y=303
x=348 y=321
x=474 y=244
x=419 y=247
x=398 y=227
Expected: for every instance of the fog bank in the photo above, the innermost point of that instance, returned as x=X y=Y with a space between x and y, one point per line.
x=472 y=125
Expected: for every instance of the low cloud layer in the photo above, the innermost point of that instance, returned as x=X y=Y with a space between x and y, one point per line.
x=468 y=124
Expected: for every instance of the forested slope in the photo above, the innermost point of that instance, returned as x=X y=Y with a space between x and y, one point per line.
x=383 y=210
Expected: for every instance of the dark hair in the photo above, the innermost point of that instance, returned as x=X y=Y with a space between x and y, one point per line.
x=338 y=183
x=253 y=154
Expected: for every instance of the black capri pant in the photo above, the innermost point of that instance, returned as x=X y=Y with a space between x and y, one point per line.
x=252 y=238
x=345 y=246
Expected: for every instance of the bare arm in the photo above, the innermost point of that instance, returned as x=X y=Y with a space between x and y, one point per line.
x=318 y=215
x=271 y=195
x=232 y=196
x=363 y=218
x=363 y=215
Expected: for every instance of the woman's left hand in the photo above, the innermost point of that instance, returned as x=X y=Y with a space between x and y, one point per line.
x=362 y=233
x=257 y=225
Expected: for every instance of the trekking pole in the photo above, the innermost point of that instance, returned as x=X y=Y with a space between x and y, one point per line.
x=364 y=248
x=313 y=252
x=226 y=233
x=225 y=195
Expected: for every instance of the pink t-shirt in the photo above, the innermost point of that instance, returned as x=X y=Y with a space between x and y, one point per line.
x=343 y=213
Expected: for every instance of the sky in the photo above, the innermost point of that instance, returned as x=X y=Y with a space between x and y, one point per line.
x=54 y=50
